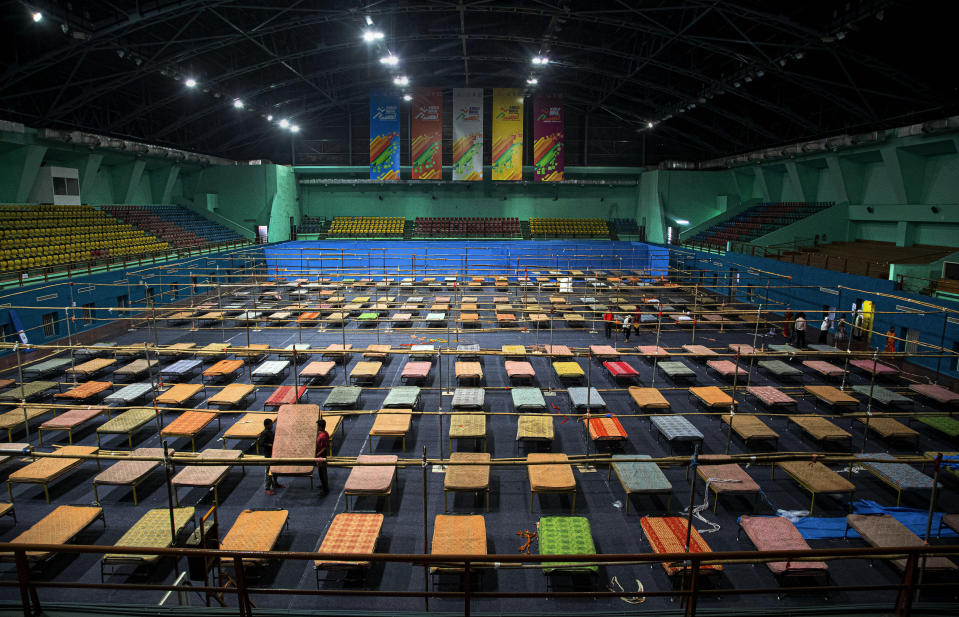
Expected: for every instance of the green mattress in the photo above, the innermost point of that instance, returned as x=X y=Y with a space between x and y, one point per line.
x=566 y=535
x=943 y=424
x=343 y=396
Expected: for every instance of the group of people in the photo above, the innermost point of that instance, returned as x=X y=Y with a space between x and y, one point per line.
x=629 y=324
x=265 y=444
x=797 y=336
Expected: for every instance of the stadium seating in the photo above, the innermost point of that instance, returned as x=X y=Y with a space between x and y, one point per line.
x=757 y=221
x=311 y=225
x=367 y=227
x=181 y=227
x=50 y=236
x=568 y=228
x=466 y=227
x=624 y=226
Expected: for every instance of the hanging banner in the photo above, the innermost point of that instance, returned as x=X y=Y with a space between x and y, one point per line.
x=384 y=135
x=426 y=134
x=548 y=157
x=507 y=154
x=467 y=134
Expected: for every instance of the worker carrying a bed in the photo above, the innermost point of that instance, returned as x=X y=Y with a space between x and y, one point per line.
x=322 y=451
x=265 y=445
x=608 y=318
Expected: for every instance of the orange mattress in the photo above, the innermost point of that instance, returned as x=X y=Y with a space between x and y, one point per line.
x=188 y=424
x=606 y=428
x=255 y=530
x=712 y=396
x=85 y=390
x=249 y=426
x=667 y=534
x=223 y=368
x=179 y=394
x=48 y=469
x=832 y=396
x=648 y=398
x=470 y=370
x=550 y=478
x=232 y=394
x=58 y=527
x=458 y=535
x=350 y=532
x=317 y=369
x=468 y=477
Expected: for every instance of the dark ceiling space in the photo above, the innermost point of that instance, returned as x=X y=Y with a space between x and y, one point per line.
x=715 y=77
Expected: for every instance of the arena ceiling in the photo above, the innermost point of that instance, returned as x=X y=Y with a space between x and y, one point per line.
x=714 y=77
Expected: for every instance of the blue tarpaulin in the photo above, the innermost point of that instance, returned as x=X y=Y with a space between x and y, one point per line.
x=832 y=528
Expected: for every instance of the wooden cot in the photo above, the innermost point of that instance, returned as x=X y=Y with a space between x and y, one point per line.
x=816 y=478
x=550 y=473
x=750 y=428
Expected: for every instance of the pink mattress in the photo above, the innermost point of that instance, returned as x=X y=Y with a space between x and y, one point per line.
x=620 y=369
x=652 y=350
x=771 y=396
x=880 y=369
x=373 y=479
x=603 y=351
x=72 y=418
x=725 y=368
x=824 y=368
x=943 y=396
x=516 y=368
x=774 y=533
x=417 y=369
x=742 y=348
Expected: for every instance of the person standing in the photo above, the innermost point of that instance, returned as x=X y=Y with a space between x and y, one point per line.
x=322 y=452
x=840 y=340
x=824 y=329
x=637 y=319
x=800 y=327
x=608 y=319
x=891 y=340
x=264 y=444
x=787 y=323
x=627 y=326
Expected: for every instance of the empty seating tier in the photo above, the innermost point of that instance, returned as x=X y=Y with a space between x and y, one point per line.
x=467 y=227
x=624 y=226
x=178 y=226
x=47 y=236
x=568 y=228
x=758 y=221
x=367 y=227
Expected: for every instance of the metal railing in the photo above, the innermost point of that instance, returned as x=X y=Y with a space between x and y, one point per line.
x=689 y=591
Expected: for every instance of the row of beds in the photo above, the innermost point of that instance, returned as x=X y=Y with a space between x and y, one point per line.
x=548 y=473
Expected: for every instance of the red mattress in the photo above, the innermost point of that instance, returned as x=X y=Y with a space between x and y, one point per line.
x=620 y=369
x=284 y=395
x=605 y=428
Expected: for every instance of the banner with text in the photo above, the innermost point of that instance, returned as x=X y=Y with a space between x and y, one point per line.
x=507 y=155
x=548 y=158
x=384 y=135
x=467 y=133
x=426 y=134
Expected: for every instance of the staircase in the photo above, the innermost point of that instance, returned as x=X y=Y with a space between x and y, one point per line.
x=757 y=221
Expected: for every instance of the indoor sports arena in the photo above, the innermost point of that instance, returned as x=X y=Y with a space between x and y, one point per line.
x=303 y=312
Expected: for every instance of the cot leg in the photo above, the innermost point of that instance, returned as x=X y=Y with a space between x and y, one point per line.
x=216 y=496
x=10 y=490
x=192 y=443
x=404 y=442
x=129 y=440
x=176 y=496
x=812 y=503
x=627 y=503
x=574 y=503
x=39 y=435
x=70 y=436
x=96 y=497
x=669 y=502
x=134 y=487
x=715 y=501
x=898 y=497
x=487 y=502
x=445 y=507
x=98 y=440
x=46 y=492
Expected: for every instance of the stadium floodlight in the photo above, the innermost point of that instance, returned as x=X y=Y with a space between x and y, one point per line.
x=238 y=103
x=372 y=35
x=284 y=123
x=390 y=60
x=37 y=16
x=532 y=81
x=190 y=82
x=401 y=80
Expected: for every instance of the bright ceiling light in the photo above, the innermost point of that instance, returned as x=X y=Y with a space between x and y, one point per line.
x=369 y=20
x=401 y=80
x=190 y=82
x=37 y=16
x=540 y=60
x=649 y=125
x=372 y=35
x=407 y=97
x=532 y=81
x=269 y=118
x=390 y=60
x=238 y=103
x=284 y=123
x=681 y=222
x=294 y=128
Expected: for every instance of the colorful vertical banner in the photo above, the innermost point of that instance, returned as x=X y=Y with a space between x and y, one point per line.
x=467 y=133
x=426 y=134
x=507 y=155
x=384 y=135
x=548 y=157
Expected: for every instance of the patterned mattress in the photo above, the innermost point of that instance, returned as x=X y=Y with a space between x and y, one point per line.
x=712 y=396
x=900 y=475
x=468 y=477
x=127 y=421
x=458 y=535
x=770 y=395
x=350 y=532
x=578 y=396
x=467 y=426
x=468 y=370
x=181 y=367
x=884 y=396
x=249 y=426
x=189 y=423
x=648 y=398
x=128 y=472
x=528 y=398
x=392 y=422
x=774 y=533
x=317 y=369
x=742 y=482
x=129 y=393
x=557 y=476
x=152 y=530
x=72 y=418
x=255 y=530
x=468 y=398
x=566 y=535
x=637 y=476
x=405 y=397
x=568 y=370
x=179 y=393
x=295 y=437
x=343 y=396
x=667 y=534
x=676 y=428
x=824 y=368
x=223 y=368
x=207 y=475
x=58 y=527
x=878 y=368
x=231 y=394
x=87 y=389
x=416 y=370
x=779 y=368
x=620 y=369
x=606 y=428
x=750 y=427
